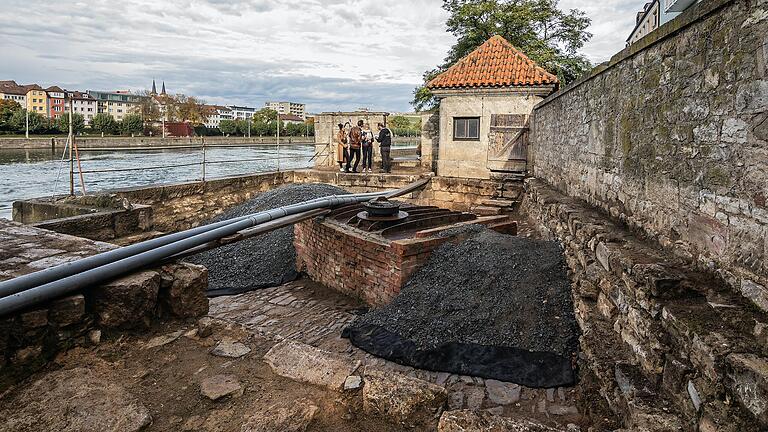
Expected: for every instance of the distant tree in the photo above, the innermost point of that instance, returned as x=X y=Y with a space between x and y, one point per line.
x=148 y=108
x=399 y=122
x=105 y=124
x=7 y=108
x=265 y=115
x=132 y=124
x=243 y=126
x=311 y=129
x=546 y=34
x=228 y=127
x=190 y=109
x=37 y=122
x=262 y=128
x=78 y=123
x=295 y=129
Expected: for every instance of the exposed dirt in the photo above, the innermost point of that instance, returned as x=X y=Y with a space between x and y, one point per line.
x=166 y=380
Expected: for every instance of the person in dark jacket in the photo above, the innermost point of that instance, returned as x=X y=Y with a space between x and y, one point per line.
x=385 y=142
x=355 y=141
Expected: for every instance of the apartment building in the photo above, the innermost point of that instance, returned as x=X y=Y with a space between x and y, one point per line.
x=57 y=101
x=9 y=89
x=37 y=101
x=288 y=108
x=117 y=104
x=242 y=112
x=83 y=104
x=214 y=114
x=655 y=14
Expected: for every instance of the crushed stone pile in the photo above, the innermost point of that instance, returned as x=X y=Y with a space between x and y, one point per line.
x=489 y=305
x=263 y=261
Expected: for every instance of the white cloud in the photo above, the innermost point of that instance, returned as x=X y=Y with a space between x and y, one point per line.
x=333 y=54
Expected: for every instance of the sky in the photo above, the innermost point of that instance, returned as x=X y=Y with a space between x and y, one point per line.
x=330 y=54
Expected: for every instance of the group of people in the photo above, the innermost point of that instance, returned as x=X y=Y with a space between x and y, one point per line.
x=352 y=140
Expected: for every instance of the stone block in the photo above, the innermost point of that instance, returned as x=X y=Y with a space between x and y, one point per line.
x=748 y=380
x=305 y=363
x=67 y=311
x=183 y=288
x=295 y=416
x=127 y=302
x=34 y=319
x=481 y=421
x=757 y=293
x=399 y=398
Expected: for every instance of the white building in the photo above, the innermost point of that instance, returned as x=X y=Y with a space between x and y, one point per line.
x=83 y=104
x=215 y=114
x=290 y=119
x=288 y=108
x=242 y=112
x=10 y=90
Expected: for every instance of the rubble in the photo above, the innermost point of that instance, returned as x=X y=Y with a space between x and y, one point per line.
x=219 y=386
x=480 y=421
x=231 y=348
x=400 y=398
x=286 y=417
x=306 y=363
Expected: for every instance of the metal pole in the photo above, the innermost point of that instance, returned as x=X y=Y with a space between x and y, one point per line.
x=203 y=159
x=278 y=141
x=27 y=115
x=71 y=158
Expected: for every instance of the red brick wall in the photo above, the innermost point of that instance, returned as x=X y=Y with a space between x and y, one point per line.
x=357 y=263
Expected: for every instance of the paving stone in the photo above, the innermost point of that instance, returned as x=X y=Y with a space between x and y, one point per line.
x=230 y=348
x=305 y=363
x=502 y=393
x=219 y=386
x=484 y=421
x=163 y=339
x=400 y=398
x=353 y=382
x=295 y=416
x=475 y=397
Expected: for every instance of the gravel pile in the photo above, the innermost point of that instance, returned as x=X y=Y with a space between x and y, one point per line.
x=262 y=261
x=491 y=305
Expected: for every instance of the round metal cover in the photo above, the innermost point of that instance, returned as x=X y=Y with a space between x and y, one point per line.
x=399 y=216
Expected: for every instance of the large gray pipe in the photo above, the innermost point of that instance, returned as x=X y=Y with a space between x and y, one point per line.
x=21 y=283
x=59 y=287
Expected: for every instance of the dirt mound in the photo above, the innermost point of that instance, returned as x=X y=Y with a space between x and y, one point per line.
x=491 y=305
x=263 y=261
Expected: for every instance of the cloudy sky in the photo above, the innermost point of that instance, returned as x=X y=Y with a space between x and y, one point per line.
x=330 y=54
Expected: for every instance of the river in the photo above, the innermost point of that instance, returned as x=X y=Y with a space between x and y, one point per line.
x=33 y=173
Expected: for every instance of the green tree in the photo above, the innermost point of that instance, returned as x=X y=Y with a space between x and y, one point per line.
x=105 y=124
x=78 y=123
x=265 y=115
x=37 y=122
x=7 y=108
x=399 y=122
x=132 y=124
x=228 y=127
x=243 y=126
x=294 y=129
x=547 y=35
x=262 y=128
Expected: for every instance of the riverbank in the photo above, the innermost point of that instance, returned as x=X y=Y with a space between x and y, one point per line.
x=119 y=142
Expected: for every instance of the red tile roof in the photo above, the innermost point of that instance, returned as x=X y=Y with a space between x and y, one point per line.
x=290 y=117
x=495 y=63
x=10 y=87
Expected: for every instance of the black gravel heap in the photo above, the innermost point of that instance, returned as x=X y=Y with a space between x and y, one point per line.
x=492 y=305
x=263 y=261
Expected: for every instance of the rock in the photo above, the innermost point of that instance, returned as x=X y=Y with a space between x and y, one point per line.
x=456 y=400
x=475 y=396
x=34 y=319
x=231 y=348
x=192 y=423
x=183 y=289
x=67 y=311
x=484 y=421
x=748 y=379
x=353 y=382
x=502 y=393
x=74 y=400
x=293 y=417
x=219 y=386
x=94 y=336
x=205 y=327
x=305 y=363
x=28 y=354
x=163 y=339
x=400 y=398
x=127 y=302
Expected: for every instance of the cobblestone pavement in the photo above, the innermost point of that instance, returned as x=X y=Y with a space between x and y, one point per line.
x=310 y=313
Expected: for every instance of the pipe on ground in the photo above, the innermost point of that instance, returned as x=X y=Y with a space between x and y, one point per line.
x=120 y=264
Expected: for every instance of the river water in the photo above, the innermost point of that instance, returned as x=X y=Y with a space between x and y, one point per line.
x=33 y=173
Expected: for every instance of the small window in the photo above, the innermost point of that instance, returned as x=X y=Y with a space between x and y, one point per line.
x=466 y=128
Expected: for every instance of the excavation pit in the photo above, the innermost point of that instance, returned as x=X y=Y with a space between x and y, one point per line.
x=370 y=257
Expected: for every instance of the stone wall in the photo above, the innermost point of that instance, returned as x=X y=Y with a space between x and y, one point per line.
x=31 y=337
x=670 y=347
x=671 y=138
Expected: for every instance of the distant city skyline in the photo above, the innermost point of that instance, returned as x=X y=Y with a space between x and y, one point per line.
x=331 y=55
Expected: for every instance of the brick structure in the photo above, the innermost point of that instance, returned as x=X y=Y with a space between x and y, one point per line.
x=357 y=263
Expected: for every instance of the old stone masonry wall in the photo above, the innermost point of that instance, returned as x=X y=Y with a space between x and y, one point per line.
x=671 y=137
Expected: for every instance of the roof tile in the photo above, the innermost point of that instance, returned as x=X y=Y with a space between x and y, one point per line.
x=495 y=63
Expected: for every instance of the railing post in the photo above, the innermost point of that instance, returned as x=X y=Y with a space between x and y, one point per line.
x=71 y=168
x=203 y=159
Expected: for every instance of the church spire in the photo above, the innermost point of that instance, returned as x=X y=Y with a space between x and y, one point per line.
x=154 y=88
x=163 y=91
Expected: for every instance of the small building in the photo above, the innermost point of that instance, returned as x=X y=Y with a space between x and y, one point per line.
x=287 y=119
x=83 y=104
x=57 y=101
x=655 y=14
x=485 y=101
x=289 y=108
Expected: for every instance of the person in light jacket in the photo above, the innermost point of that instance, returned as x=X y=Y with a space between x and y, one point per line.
x=341 y=147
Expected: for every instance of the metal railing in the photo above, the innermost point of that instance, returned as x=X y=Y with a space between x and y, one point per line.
x=75 y=165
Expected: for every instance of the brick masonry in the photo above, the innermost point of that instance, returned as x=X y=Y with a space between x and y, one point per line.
x=360 y=264
x=670 y=138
